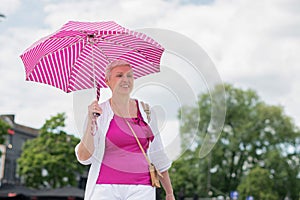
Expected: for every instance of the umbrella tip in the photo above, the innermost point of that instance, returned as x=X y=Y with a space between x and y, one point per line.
x=91 y=35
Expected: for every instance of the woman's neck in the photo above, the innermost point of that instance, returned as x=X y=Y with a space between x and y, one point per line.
x=122 y=101
x=123 y=106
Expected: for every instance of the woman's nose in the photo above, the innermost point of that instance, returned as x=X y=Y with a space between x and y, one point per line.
x=124 y=78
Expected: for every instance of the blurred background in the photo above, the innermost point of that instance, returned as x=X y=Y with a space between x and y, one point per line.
x=254 y=46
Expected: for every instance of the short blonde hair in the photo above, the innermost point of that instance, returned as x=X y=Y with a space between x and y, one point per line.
x=114 y=64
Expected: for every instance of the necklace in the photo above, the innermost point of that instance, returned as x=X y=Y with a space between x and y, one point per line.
x=117 y=109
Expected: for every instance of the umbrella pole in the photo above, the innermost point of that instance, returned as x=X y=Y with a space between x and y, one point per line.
x=96 y=88
x=94 y=76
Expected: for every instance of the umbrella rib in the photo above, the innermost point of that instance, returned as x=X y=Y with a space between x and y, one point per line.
x=72 y=72
x=53 y=39
x=122 y=45
x=101 y=49
x=59 y=49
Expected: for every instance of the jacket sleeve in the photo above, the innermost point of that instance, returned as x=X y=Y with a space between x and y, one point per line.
x=156 y=151
x=84 y=162
x=90 y=159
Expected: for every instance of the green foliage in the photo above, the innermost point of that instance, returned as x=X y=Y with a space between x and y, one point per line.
x=3 y=131
x=187 y=172
x=258 y=184
x=48 y=161
x=254 y=134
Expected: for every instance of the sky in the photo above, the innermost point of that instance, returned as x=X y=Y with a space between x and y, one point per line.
x=253 y=44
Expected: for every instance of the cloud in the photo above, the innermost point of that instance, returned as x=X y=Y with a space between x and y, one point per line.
x=31 y=102
x=9 y=6
x=254 y=44
x=127 y=13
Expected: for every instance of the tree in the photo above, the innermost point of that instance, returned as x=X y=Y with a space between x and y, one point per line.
x=48 y=161
x=3 y=130
x=188 y=175
x=254 y=134
x=257 y=184
x=4 y=127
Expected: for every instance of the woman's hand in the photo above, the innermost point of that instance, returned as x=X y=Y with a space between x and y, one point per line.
x=166 y=183
x=94 y=108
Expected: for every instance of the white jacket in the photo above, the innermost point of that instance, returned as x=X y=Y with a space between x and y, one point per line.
x=155 y=152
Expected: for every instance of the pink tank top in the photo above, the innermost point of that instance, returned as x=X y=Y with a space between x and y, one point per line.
x=123 y=161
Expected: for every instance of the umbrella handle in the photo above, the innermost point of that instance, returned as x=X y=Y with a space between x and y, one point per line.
x=96 y=114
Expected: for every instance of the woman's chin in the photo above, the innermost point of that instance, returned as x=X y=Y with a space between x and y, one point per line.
x=124 y=91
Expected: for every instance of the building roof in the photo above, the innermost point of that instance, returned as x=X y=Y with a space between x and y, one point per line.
x=10 y=119
x=7 y=189
x=67 y=191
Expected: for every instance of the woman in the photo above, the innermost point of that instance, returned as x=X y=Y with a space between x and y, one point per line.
x=119 y=170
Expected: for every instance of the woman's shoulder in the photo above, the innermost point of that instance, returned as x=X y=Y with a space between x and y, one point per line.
x=107 y=112
x=141 y=102
x=143 y=106
x=105 y=105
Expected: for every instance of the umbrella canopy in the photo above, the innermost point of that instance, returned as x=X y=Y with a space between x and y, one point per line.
x=75 y=57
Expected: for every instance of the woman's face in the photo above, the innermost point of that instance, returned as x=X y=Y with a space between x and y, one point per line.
x=121 y=79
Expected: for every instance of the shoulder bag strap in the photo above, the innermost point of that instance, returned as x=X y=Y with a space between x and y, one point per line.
x=138 y=141
x=146 y=108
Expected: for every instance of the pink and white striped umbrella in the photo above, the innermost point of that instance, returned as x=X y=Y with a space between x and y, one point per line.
x=75 y=57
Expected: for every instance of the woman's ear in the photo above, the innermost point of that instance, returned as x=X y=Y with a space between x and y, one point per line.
x=106 y=82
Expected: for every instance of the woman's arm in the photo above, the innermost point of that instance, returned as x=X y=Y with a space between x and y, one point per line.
x=86 y=146
x=159 y=158
x=167 y=185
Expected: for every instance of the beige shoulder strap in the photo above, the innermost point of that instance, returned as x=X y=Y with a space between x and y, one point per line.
x=146 y=108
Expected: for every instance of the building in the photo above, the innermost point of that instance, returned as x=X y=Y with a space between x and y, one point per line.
x=11 y=151
x=10 y=184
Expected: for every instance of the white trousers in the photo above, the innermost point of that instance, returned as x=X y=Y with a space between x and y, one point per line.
x=123 y=192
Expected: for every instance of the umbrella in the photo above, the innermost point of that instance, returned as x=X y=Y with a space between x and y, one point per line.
x=74 y=57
